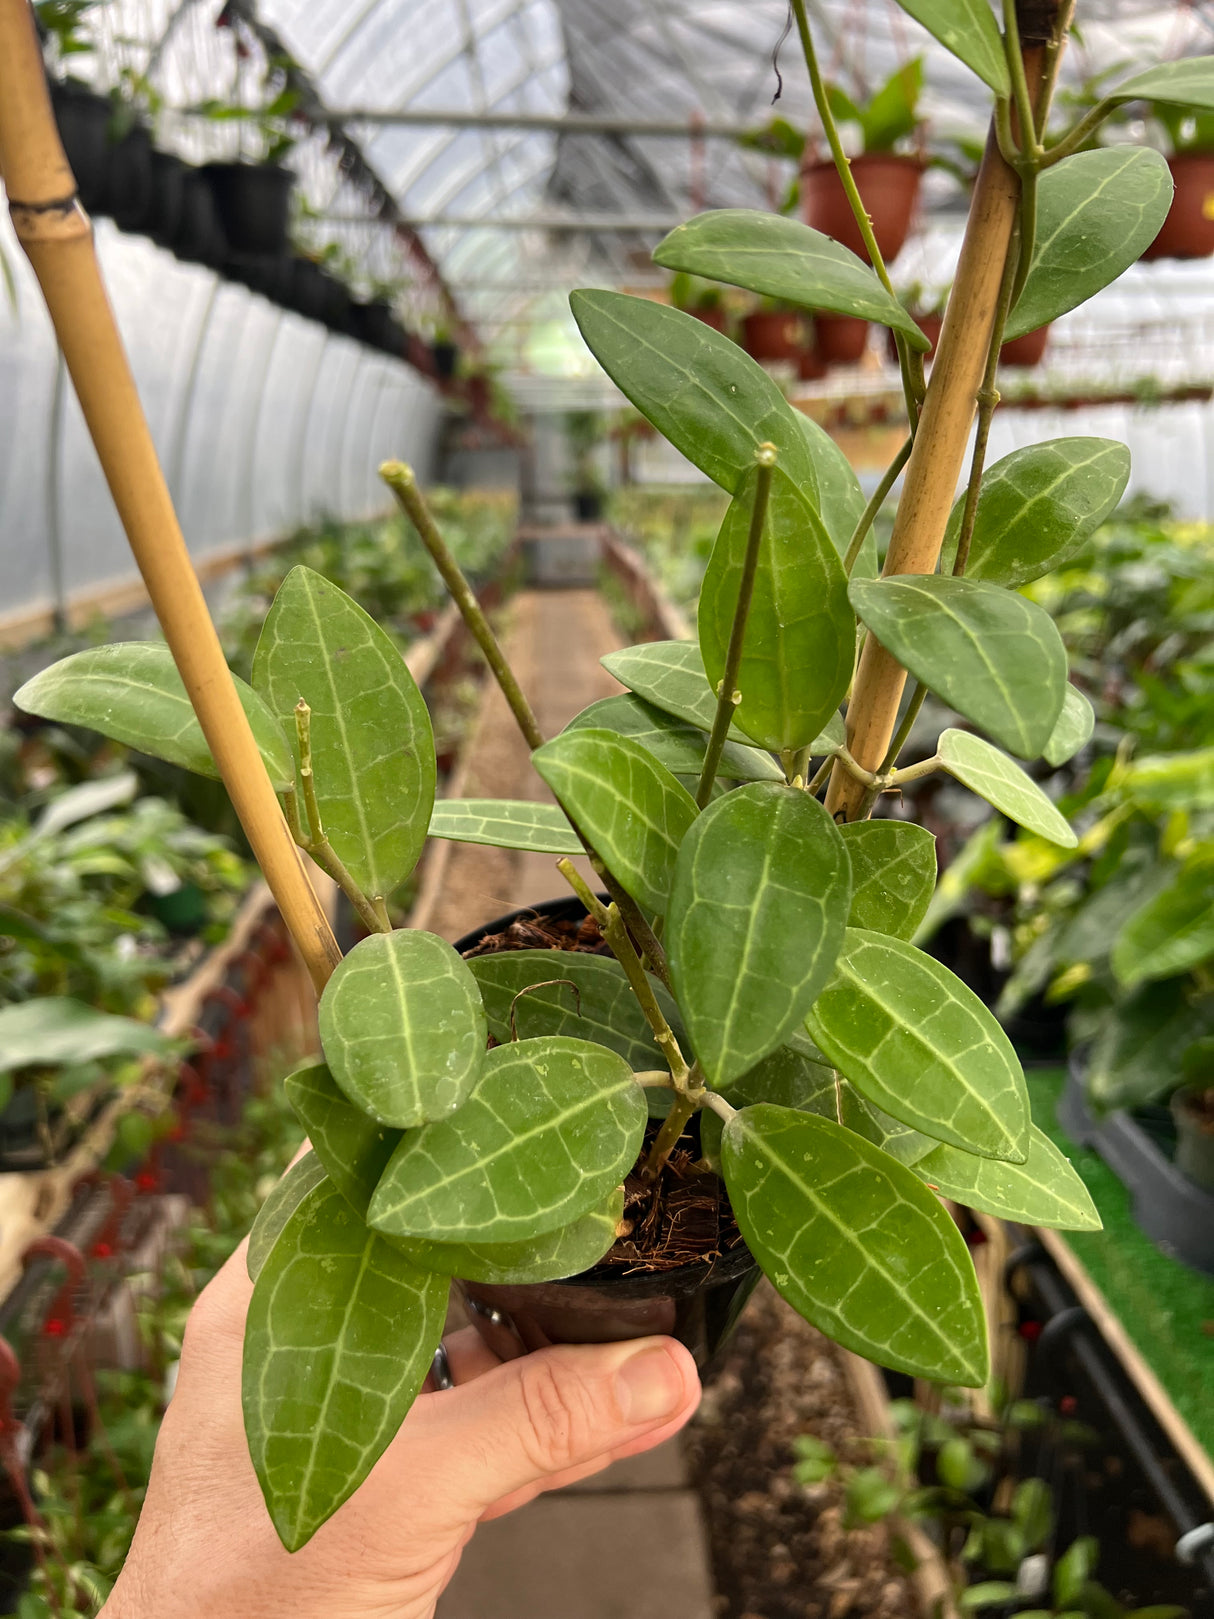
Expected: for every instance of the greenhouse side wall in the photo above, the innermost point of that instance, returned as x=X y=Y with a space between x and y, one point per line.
x=263 y=421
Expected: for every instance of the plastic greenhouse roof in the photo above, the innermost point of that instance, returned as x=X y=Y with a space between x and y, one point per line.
x=670 y=60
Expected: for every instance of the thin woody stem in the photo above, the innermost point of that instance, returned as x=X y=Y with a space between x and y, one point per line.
x=1025 y=110
x=682 y=1109
x=317 y=844
x=634 y=918
x=401 y=481
x=907 y=726
x=912 y=379
x=765 y=456
x=616 y=934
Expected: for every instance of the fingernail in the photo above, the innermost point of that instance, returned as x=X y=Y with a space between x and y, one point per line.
x=648 y=1386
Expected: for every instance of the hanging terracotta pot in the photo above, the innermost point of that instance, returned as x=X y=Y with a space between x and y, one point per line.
x=1027 y=350
x=1188 y=231
x=710 y=314
x=841 y=339
x=811 y=367
x=772 y=335
x=888 y=184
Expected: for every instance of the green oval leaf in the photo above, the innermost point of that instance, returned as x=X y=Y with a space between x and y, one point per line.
x=993 y=655
x=505 y=823
x=856 y=1244
x=584 y=996
x=840 y=498
x=372 y=745
x=757 y=912
x=132 y=693
x=552 y=1127
x=676 y=743
x=1172 y=932
x=993 y=776
x=565 y=1252
x=278 y=1208
x=353 y=1148
x=700 y=390
x=1187 y=83
x=893 y=875
x=402 y=1027
x=795 y=1075
x=1044 y=1190
x=799 y=648
x=1072 y=729
x=52 y=1030
x=629 y=806
x=670 y=675
x=920 y=1044
x=1097 y=212
x=968 y=29
x=1037 y=506
x=1139 y=1053
x=781 y=258
x=340 y=1334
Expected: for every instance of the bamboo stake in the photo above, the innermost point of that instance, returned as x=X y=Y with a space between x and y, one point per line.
x=938 y=453
x=58 y=240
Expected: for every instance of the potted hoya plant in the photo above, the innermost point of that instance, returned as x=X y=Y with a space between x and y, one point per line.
x=760 y=1036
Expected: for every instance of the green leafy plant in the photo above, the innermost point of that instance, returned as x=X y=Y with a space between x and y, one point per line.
x=763 y=989
x=890 y=115
x=1005 y=1560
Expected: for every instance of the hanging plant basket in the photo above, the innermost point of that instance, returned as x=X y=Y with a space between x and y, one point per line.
x=254 y=204
x=84 y=126
x=199 y=238
x=1188 y=231
x=772 y=335
x=1027 y=350
x=888 y=184
x=697 y=1303
x=841 y=339
x=168 y=188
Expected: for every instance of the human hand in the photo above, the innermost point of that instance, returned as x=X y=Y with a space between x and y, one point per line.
x=508 y=1430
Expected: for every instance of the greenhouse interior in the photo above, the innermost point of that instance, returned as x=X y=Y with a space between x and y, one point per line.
x=607 y=809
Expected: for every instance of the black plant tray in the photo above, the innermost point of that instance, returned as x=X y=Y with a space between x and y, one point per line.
x=1176 y=1214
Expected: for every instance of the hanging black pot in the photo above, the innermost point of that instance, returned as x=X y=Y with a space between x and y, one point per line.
x=337 y=310
x=131 y=182
x=199 y=238
x=168 y=187
x=372 y=324
x=308 y=291
x=254 y=203
x=84 y=122
x=699 y=1304
x=446 y=358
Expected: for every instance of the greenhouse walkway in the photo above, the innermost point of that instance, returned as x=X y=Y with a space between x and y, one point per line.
x=629 y=1543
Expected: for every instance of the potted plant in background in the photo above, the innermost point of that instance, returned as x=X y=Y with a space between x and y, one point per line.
x=774 y=330
x=1188 y=231
x=700 y=298
x=254 y=199
x=887 y=178
x=760 y=981
x=585 y=432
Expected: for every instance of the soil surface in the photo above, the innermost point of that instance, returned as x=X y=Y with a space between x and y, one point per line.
x=779 y=1548
x=684 y=1218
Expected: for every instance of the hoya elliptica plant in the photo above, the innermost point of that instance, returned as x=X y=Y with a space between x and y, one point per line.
x=763 y=975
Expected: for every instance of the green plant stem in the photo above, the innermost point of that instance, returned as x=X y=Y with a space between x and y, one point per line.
x=401 y=481
x=634 y=919
x=1053 y=61
x=718 y=1105
x=828 y=764
x=868 y=516
x=800 y=765
x=317 y=843
x=1028 y=143
x=611 y=923
x=905 y=728
x=682 y=1109
x=1014 y=270
x=650 y=1079
x=1004 y=138
x=1021 y=253
x=290 y=809
x=1078 y=133
x=867 y=778
x=925 y=767
x=765 y=455
x=855 y=201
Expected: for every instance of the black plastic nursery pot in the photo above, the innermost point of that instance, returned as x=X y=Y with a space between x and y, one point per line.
x=254 y=203
x=131 y=183
x=168 y=188
x=199 y=238
x=1173 y=1210
x=699 y=1304
x=84 y=124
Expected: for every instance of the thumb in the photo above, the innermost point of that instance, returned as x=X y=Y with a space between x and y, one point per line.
x=536 y=1422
